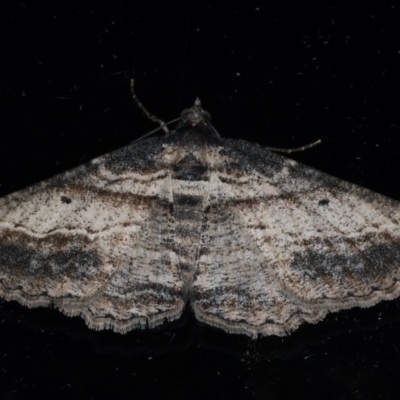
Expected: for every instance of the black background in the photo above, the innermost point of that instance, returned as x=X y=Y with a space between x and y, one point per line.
x=281 y=76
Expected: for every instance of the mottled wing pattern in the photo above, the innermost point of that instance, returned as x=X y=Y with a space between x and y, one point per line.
x=257 y=242
x=97 y=241
x=284 y=243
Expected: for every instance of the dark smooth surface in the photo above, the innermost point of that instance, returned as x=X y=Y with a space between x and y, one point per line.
x=281 y=76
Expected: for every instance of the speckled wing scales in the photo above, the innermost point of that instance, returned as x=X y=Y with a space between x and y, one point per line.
x=284 y=243
x=256 y=242
x=97 y=241
x=235 y=286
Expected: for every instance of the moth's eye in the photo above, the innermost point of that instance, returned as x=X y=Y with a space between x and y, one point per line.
x=207 y=115
x=185 y=112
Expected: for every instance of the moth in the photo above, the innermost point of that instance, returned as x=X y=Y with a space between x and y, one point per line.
x=254 y=242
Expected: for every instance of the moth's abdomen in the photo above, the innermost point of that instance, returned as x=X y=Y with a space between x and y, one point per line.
x=189 y=190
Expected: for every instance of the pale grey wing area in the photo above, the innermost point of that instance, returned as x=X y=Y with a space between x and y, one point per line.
x=284 y=243
x=235 y=286
x=97 y=241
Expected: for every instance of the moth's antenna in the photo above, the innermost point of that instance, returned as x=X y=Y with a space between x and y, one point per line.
x=302 y=148
x=155 y=130
x=153 y=118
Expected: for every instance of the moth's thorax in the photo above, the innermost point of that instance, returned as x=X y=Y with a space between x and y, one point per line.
x=191 y=149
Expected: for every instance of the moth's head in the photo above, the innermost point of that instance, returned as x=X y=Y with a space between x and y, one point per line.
x=194 y=127
x=195 y=115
